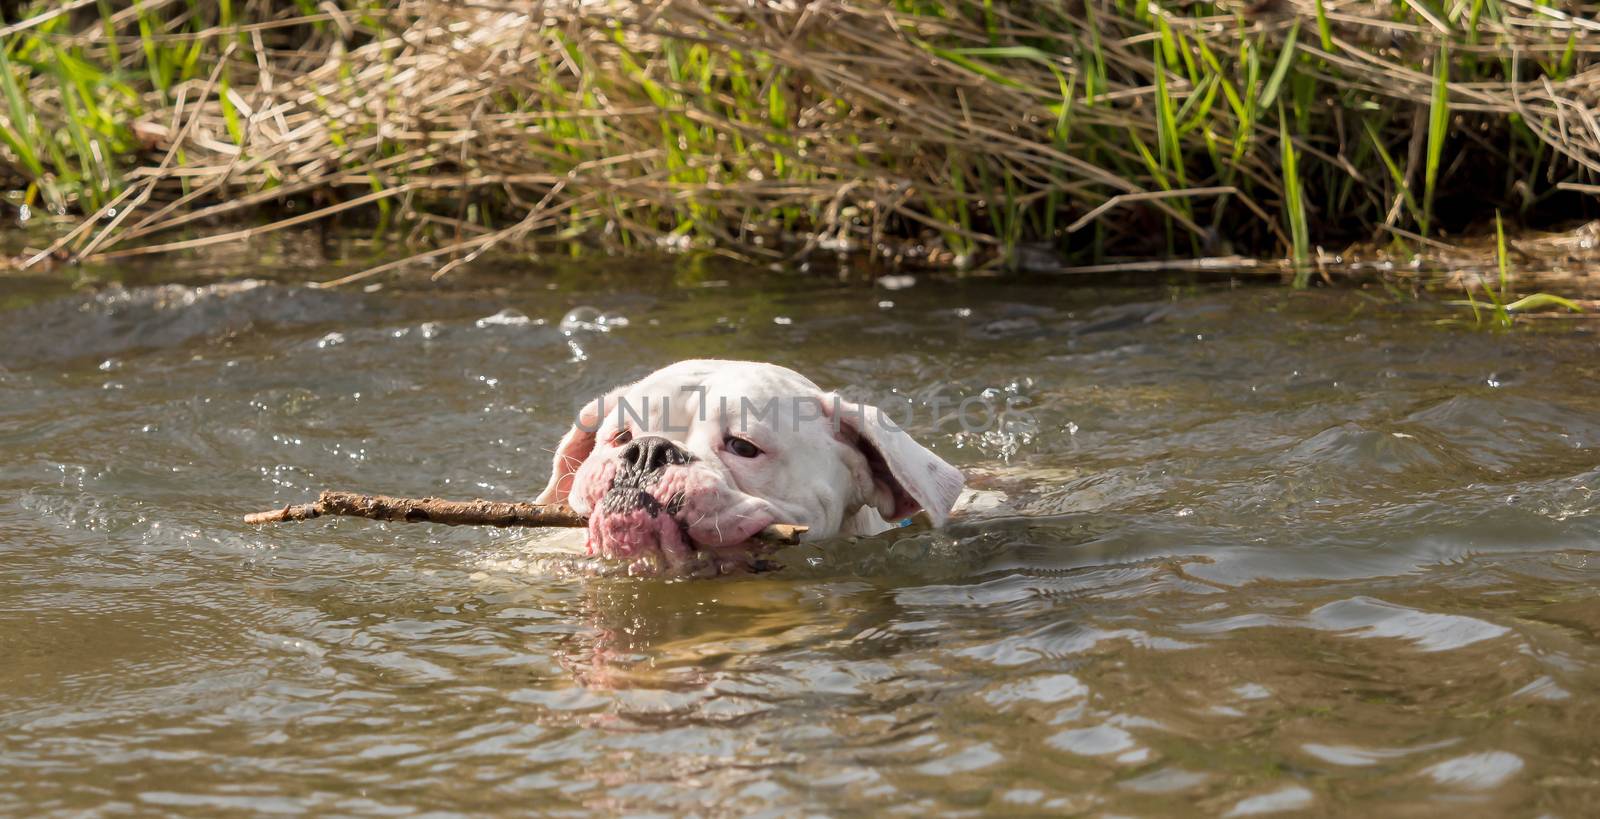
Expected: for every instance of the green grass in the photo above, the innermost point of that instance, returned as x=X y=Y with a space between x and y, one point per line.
x=1294 y=205
x=1113 y=129
x=1438 y=132
x=1500 y=307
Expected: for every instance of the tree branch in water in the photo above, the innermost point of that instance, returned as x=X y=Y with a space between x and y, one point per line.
x=461 y=513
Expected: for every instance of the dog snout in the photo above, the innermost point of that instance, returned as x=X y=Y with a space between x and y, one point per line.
x=652 y=454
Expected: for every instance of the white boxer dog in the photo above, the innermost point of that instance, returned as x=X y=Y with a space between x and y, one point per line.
x=687 y=464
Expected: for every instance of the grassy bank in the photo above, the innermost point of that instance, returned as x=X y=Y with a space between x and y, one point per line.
x=1021 y=133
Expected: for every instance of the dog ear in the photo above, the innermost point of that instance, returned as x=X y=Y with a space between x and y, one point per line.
x=573 y=450
x=906 y=476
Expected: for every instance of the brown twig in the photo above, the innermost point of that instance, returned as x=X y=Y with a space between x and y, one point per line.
x=461 y=513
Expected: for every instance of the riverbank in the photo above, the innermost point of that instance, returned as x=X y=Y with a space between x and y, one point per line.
x=949 y=132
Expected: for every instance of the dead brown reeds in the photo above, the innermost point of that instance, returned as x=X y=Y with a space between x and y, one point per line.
x=1070 y=131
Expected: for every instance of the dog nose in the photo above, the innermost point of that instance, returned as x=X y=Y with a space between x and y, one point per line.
x=652 y=454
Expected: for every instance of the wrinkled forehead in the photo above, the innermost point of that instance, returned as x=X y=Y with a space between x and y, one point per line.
x=741 y=394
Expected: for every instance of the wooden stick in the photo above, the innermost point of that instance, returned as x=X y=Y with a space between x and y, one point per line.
x=461 y=513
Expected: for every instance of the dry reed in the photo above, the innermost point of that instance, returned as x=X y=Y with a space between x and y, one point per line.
x=1029 y=133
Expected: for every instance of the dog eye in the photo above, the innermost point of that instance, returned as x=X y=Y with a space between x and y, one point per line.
x=623 y=436
x=741 y=447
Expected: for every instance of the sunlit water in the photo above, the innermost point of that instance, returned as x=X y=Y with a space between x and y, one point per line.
x=1260 y=552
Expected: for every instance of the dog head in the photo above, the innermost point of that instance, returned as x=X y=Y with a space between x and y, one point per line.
x=698 y=457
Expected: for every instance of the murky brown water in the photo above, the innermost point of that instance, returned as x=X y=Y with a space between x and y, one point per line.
x=1280 y=552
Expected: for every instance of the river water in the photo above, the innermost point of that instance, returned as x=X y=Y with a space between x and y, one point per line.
x=1260 y=551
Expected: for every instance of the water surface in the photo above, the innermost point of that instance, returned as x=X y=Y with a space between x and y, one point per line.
x=1261 y=552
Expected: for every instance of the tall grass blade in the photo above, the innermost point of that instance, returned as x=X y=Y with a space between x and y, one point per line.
x=1294 y=204
x=1438 y=132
